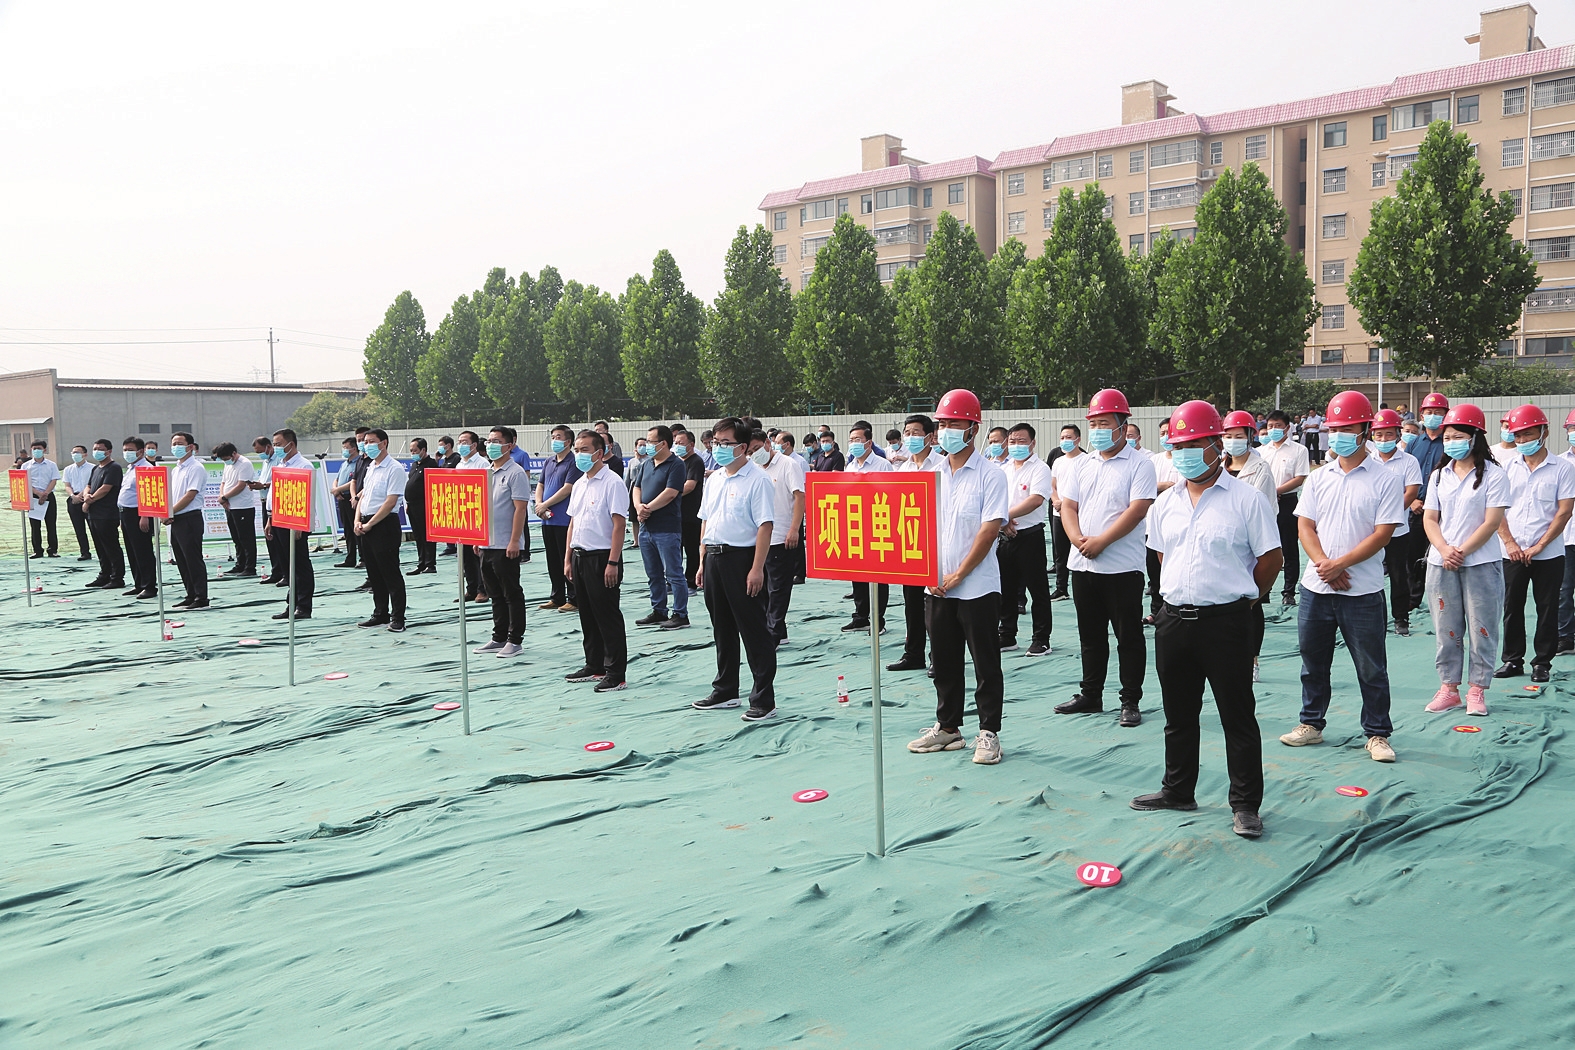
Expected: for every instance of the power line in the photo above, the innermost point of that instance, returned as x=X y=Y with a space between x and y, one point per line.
x=115 y=342
x=246 y=328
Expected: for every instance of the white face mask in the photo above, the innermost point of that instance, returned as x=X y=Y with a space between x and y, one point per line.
x=761 y=456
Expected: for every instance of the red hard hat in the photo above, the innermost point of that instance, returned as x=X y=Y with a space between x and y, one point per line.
x=1108 y=402
x=1465 y=416
x=1240 y=418
x=1386 y=417
x=959 y=404
x=1524 y=418
x=1193 y=419
x=1569 y=420
x=1349 y=407
x=1436 y=400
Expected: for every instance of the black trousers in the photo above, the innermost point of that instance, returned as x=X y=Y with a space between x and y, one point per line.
x=106 y=540
x=555 y=540
x=426 y=551
x=305 y=577
x=278 y=549
x=954 y=623
x=1290 y=544
x=380 y=555
x=347 y=523
x=139 y=549
x=186 y=539
x=916 y=617
x=1418 y=566
x=474 y=584
x=48 y=524
x=243 y=533
x=1022 y=562
x=1062 y=544
x=1188 y=653
x=1255 y=636
x=691 y=533
x=800 y=559
x=500 y=574
x=781 y=565
x=735 y=617
x=861 y=601
x=1544 y=578
x=1114 y=600
x=1397 y=560
x=1152 y=565
x=601 y=621
x=79 y=524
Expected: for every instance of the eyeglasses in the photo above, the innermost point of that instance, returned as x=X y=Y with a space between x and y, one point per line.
x=726 y=444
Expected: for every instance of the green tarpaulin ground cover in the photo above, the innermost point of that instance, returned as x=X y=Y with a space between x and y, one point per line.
x=196 y=855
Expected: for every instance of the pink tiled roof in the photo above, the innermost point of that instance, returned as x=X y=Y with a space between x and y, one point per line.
x=864 y=180
x=1508 y=67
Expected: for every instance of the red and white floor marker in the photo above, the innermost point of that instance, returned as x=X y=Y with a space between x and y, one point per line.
x=1094 y=874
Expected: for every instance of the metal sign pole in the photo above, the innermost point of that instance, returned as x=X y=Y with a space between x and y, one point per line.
x=880 y=775
x=158 y=565
x=291 y=600
x=27 y=563
x=464 y=646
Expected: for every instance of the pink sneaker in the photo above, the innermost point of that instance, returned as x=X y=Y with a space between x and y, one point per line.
x=1446 y=699
x=1476 y=701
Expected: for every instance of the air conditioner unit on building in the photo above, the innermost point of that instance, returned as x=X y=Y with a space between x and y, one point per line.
x=1206 y=173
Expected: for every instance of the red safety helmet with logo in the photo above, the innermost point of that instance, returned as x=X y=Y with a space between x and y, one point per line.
x=1524 y=418
x=1193 y=420
x=1436 y=400
x=1569 y=420
x=1466 y=416
x=959 y=404
x=1241 y=418
x=1108 y=402
x=1386 y=419
x=1348 y=408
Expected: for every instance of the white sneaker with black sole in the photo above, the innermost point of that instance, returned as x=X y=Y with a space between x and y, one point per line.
x=986 y=748
x=712 y=703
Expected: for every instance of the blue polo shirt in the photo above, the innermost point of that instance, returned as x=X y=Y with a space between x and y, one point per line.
x=655 y=478
x=555 y=475
x=1429 y=453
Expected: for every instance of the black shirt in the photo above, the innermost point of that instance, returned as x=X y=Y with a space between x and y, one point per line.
x=832 y=460
x=105 y=473
x=694 y=470
x=450 y=461
x=358 y=474
x=415 y=483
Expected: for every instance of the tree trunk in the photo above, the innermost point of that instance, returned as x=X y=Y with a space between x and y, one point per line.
x=1233 y=390
x=522 y=413
x=587 y=413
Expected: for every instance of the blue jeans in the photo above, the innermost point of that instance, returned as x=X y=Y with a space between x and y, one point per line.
x=663 y=554
x=1467 y=603
x=1361 y=620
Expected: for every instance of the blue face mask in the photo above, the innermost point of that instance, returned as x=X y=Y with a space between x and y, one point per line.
x=1457 y=448
x=1101 y=439
x=131 y=454
x=953 y=440
x=177 y=451
x=1506 y=436
x=277 y=455
x=349 y=454
x=915 y=444
x=558 y=446
x=1342 y=444
x=1407 y=437
x=1189 y=463
x=1233 y=447
x=99 y=455
x=1167 y=446
x=1068 y=445
x=1387 y=447
x=360 y=446
x=495 y=449
x=993 y=450
x=464 y=451
x=683 y=450
x=1571 y=435
x=1530 y=448
x=1432 y=420
x=1276 y=434
x=1018 y=452
x=856 y=449
x=827 y=446
x=585 y=461
x=38 y=453
x=77 y=457
x=723 y=453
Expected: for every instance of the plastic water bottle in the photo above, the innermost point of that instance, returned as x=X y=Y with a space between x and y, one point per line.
x=842 y=690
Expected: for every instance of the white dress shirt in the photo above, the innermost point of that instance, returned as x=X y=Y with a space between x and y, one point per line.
x=474 y=461
x=1209 y=549
x=1103 y=489
x=128 y=485
x=787 y=477
x=381 y=481
x=870 y=464
x=593 y=501
x=1348 y=507
x=76 y=476
x=1286 y=460
x=966 y=498
x=1534 y=501
x=1410 y=471
x=39 y=474
x=236 y=473
x=734 y=506
x=187 y=476
x=1024 y=478
x=1059 y=470
x=1569 y=530
x=1462 y=508
x=1256 y=473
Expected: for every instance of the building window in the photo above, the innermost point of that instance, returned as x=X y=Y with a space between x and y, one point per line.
x=954 y=193
x=1109 y=210
x=1175 y=153
x=183 y=428
x=779 y=254
x=1549 y=198
x=1049 y=177
x=1016 y=221
x=1553 y=93
x=1552 y=147
x=147 y=428
x=1549 y=345
x=1134 y=162
x=812 y=246
x=1468 y=109
x=842 y=205
x=1551 y=249
x=1216 y=154
x=1419 y=114
x=1301 y=147
x=1513 y=153
x=905 y=234
x=1506 y=348
x=1135 y=203
x=1514 y=101
x=779 y=221
x=1107 y=166
x=929 y=231
x=1302 y=193
x=1334 y=135
x=1135 y=244
x=1380 y=127
x=1186 y=236
x=1049 y=218
x=1334 y=271
x=1518 y=198
x=1071 y=169
x=1334 y=180
x=1334 y=316
x=803 y=279
x=1332 y=357
x=1257 y=147
x=823 y=210
x=1301 y=238
x=901 y=197
x=1380 y=171
x=888 y=270
x=1183 y=196
x=803 y=216
x=866 y=204
x=1333 y=226
x=1374 y=355
x=1014 y=184
x=1400 y=163
x=1551 y=300
x=929 y=197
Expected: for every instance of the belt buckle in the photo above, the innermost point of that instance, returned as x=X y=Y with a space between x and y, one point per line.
x=1186 y=612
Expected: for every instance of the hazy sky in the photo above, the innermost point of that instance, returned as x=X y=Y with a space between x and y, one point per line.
x=175 y=172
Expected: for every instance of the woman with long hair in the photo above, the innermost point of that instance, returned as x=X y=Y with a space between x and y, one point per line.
x=1465 y=571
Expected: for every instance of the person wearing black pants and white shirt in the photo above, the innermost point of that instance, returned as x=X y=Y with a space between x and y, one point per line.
x=276 y=546
x=75 y=479
x=240 y=508
x=42 y=476
x=1541 y=497
x=1103 y=506
x=188 y=478
x=1071 y=434
x=1219 y=556
x=1290 y=463
x=863 y=460
x=508 y=492
x=1021 y=550
x=737 y=514
x=285 y=454
x=98 y=502
x=416 y=507
x=598 y=510
x=378 y=532
x=918 y=441
x=787 y=487
x=136 y=530
x=965 y=607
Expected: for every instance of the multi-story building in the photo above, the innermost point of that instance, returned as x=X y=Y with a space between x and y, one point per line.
x=1329 y=159
x=896 y=196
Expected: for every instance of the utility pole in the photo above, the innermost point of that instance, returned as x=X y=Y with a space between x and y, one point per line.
x=273 y=373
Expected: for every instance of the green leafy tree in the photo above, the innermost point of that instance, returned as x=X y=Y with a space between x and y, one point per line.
x=948 y=327
x=329 y=413
x=1072 y=317
x=1298 y=395
x=447 y=371
x=661 y=339
x=1439 y=279
x=392 y=353
x=584 y=341
x=1486 y=379
x=1152 y=361
x=843 y=325
x=1235 y=307
x=511 y=358
x=743 y=357
x=1002 y=270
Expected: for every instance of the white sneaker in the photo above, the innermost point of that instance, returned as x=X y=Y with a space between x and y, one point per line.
x=936 y=739
x=1302 y=735
x=510 y=650
x=1255 y=677
x=986 y=748
x=490 y=647
x=1379 y=748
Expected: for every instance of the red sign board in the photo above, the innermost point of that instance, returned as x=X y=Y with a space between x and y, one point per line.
x=458 y=510
x=153 y=492
x=876 y=528
x=21 y=491
x=291 y=498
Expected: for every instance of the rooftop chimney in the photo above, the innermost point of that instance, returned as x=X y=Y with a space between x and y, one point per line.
x=1507 y=31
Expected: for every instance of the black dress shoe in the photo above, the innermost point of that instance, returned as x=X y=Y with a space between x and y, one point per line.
x=132 y=593
x=365 y=586
x=907 y=663
x=417 y=571
x=282 y=615
x=344 y=564
x=1539 y=674
x=86 y=557
x=200 y=603
x=397 y=626
x=1080 y=705
x=1130 y=716
x=283 y=581
x=269 y=579
x=1566 y=646
x=143 y=596
x=1511 y=669
x=376 y=621
x=97 y=584
x=1159 y=800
